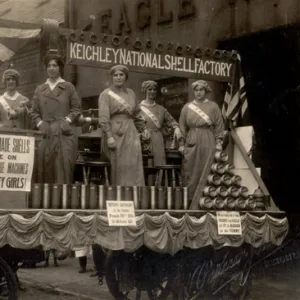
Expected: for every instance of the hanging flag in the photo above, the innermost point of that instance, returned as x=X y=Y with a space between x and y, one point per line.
x=235 y=106
x=14 y=36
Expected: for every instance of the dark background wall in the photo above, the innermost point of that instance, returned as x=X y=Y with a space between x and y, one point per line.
x=271 y=62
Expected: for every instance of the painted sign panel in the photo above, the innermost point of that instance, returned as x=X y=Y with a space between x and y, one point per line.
x=165 y=63
x=16 y=162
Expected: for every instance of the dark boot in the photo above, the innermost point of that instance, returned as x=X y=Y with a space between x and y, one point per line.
x=47 y=255
x=56 y=263
x=55 y=258
x=99 y=258
x=82 y=263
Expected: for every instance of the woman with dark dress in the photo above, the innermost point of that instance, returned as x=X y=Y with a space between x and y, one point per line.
x=56 y=107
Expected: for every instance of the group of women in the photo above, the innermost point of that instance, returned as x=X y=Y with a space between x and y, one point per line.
x=126 y=125
x=199 y=131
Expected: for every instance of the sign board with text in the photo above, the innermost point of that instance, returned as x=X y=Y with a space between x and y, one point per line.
x=120 y=213
x=146 y=61
x=16 y=162
x=229 y=223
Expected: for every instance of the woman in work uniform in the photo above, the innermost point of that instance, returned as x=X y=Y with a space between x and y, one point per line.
x=157 y=118
x=201 y=124
x=12 y=104
x=122 y=122
x=56 y=107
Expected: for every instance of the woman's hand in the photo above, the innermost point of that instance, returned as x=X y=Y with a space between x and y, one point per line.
x=177 y=133
x=219 y=147
x=111 y=143
x=145 y=135
x=66 y=127
x=43 y=127
x=181 y=150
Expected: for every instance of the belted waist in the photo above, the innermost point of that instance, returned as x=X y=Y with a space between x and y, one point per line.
x=154 y=129
x=52 y=120
x=207 y=127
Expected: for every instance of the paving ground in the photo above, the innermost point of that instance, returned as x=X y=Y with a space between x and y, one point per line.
x=65 y=282
x=36 y=294
x=66 y=278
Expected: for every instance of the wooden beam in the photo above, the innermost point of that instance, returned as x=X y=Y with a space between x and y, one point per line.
x=152 y=212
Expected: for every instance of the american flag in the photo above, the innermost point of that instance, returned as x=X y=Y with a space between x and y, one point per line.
x=235 y=106
x=14 y=36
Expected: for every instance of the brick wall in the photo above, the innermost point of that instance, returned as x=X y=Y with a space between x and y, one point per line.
x=27 y=62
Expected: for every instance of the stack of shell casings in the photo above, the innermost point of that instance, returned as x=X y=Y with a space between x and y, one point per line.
x=80 y=196
x=224 y=190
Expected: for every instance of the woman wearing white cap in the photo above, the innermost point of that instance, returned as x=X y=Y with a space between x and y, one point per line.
x=158 y=118
x=12 y=104
x=121 y=121
x=201 y=124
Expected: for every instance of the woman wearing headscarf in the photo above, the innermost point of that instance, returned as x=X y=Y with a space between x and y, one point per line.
x=201 y=124
x=121 y=121
x=157 y=118
x=12 y=104
x=56 y=107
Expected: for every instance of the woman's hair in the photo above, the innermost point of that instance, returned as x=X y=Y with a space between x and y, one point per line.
x=148 y=83
x=201 y=84
x=121 y=68
x=11 y=72
x=58 y=60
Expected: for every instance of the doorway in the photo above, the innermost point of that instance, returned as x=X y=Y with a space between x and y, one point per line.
x=271 y=66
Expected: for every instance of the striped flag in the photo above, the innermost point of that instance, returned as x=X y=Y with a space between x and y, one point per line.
x=235 y=106
x=14 y=36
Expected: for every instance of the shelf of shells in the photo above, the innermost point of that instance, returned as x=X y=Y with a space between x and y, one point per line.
x=80 y=196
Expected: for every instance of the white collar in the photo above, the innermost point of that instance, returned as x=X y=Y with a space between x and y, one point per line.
x=195 y=101
x=14 y=97
x=147 y=104
x=52 y=85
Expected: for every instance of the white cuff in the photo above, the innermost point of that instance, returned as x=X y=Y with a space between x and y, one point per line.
x=110 y=140
x=68 y=119
x=39 y=123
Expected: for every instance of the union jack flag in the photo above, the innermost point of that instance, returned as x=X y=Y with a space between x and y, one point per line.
x=14 y=36
x=235 y=106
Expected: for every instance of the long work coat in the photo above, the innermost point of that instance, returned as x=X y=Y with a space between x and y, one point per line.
x=57 y=153
x=123 y=123
x=7 y=103
x=200 y=140
x=162 y=120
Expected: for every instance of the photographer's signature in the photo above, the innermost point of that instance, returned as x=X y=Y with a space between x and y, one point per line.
x=209 y=272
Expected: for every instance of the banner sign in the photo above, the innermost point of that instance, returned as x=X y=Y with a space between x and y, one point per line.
x=16 y=162
x=229 y=223
x=105 y=56
x=120 y=213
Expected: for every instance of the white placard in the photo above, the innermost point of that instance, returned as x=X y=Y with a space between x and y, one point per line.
x=16 y=162
x=120 y=213
x=229 y=223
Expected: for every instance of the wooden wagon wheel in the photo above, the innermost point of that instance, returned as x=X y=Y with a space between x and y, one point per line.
x=161 y=287
x=237 y=291
x=113 y=281
x=8 y=282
